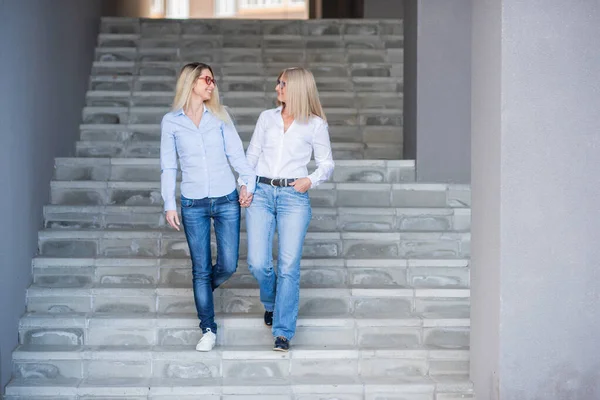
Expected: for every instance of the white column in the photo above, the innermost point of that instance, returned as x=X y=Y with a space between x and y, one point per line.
x=225 y=8
x=536 y=200
x=178 y=9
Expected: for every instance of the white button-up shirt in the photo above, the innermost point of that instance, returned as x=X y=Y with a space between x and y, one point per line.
x=274 y=153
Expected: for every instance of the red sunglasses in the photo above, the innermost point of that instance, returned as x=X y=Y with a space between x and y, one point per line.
x=208 y=79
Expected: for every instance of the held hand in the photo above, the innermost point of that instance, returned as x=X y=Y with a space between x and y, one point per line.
x=173 y=219
x=301 y=185
x=248 y=201
x=245 y=197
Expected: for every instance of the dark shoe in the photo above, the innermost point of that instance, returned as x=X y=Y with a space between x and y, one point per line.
x=268 y=318
x=281 y=344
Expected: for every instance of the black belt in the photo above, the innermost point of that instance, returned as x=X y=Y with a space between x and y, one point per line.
x=281 y=182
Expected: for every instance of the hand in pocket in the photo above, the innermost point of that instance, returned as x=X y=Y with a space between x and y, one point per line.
x=301 y=185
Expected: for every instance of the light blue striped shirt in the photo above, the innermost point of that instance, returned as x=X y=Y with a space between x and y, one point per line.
x=203 y=153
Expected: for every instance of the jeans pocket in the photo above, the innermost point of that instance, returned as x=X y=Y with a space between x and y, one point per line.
x=299 y=193
x=233 y=197
x=186 y=203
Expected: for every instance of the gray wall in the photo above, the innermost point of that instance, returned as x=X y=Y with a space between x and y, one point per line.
x=46 y=49
x=536 y=195
x=384 y=8
x=443 y=93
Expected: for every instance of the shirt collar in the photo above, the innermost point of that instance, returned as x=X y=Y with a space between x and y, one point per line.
x=278 y=109
x=181 y=112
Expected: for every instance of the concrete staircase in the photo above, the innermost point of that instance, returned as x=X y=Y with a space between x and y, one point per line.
x=384 y=311
x=357 y=64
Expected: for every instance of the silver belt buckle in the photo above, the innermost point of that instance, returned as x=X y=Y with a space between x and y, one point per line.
x=272 y=182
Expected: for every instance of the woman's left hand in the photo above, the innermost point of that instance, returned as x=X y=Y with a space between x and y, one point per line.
x=301 y=185
x=245 y=197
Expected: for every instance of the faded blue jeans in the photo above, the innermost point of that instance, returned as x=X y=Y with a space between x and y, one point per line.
x=195 y=216
x=288 y=211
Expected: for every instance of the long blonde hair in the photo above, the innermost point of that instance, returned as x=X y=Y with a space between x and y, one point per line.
x=302 y=94
x=183 y=91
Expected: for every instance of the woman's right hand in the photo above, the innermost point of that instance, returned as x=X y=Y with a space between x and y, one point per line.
x=173 y=219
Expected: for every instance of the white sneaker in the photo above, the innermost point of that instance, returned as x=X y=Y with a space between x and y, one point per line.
x=207 y=342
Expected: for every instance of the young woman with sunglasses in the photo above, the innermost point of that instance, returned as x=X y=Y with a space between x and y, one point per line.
x=201 y=134
x=281 y=147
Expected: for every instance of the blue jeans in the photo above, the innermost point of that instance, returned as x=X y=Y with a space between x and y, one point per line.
x=195 y=216
x=288 y=211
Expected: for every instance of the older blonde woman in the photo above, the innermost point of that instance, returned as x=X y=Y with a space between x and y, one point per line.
x=199 y=131
x=281 y=147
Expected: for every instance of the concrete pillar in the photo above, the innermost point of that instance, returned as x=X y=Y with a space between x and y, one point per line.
x=382 y=9
x=536 y=200
x=411 y=30
x=438 y=82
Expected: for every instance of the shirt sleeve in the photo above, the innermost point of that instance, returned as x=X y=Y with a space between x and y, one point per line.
x=235 y=154
x=323 y=156
x=255 y=147
x=168 y=165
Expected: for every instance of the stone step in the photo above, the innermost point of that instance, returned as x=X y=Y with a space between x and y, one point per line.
x=241 y=56
x=201 y=27
x=250 y=84
x=281 y=29
x=148 y=170
x=408 y=273
x=317 y=386
x=351 y=134
x=242 y=362
x=154 y=243
x=356 y=142
x=150 y=329
x=249 y=70
x=241 y=116
x=250 y=32
x=151 y=149
x=191 y=45
x=324 y=219
x=135 y=193
x=225 y=57
x=263 y=99
x=361 y=301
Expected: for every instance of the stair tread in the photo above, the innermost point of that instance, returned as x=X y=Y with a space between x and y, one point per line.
x=323 y=186
x=156 y=161
x=250 y=319
x=26 y=352
x=155 y=232
x=244 y=287
x=250 y=289
x=349 y=290
x=352 y=262
x=324 y=210
x=139 y=389
x=249 y=93
x=336 y=144
x=241 y=110
x=427 y=383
